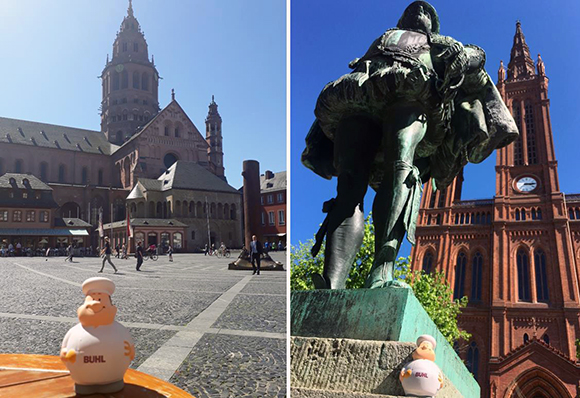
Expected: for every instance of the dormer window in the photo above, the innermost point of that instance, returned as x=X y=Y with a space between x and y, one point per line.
x=12 y=181
x=25 y=182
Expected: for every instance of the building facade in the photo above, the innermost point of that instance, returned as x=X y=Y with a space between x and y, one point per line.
x=515 y=256
x=273 y=208
x=94 y=171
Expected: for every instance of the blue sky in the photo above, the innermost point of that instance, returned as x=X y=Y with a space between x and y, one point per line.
x=53 y=51
x=328 y=34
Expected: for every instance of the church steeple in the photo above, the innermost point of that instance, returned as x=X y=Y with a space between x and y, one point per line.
x=213 y=136
x=130 y=83
x=521 y=65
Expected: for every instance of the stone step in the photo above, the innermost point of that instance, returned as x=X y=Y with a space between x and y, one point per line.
x=357 y=366
x=312 y=393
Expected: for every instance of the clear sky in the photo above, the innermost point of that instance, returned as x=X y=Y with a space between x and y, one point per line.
x=52 y=52
x=328 y=34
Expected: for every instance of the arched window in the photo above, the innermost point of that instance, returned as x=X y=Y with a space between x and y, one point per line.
x=438 y=219
x=116 y=80
x=428 y=262
x=523 y=276
x=523 y=214
x=136 y=79
x=571 y=213
x=124 y=79
x=539 y=214
x=541 y=275
x=177 y=132
x=84 y=175
x=526 y=338
x=457 y=219
x=169 y=159
x=577 y=212
x=489 y=217
x=530 y=133
x=145 y=81
x=44 y=171
x=441 y=201
x=432 y=199
x=459 y=276
x=478 y=218
x=61 y=173
x=533 y=213
x=473 y=359
x=100 y=177
x=518 y=155
x=517 y=214
x=477 y=269
x=18 y=166
x=546 y=339
x=192 y=235
x=233 y=212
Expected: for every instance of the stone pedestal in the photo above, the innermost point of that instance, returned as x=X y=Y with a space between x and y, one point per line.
x=355 y=342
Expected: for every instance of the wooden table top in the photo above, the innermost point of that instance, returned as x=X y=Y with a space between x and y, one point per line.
x=41 y=376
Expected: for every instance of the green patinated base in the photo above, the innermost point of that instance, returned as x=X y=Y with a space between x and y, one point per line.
x=388 y=314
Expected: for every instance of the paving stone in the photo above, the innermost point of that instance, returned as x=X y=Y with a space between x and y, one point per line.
x=261 y=313
x=234 y=366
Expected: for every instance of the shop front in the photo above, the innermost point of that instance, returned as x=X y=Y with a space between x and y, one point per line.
x=148 y=231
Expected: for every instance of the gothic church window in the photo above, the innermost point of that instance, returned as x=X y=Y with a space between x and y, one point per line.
x=523 y=276
x=526 y=338
x=518 y=156
x=177 y=132
x=166 y=131
x=441 y=201
x=136 y=47
x=61 y=173
x=432 y=200
x=145 y=81
x=477 y=269
x=18 y=166
x=428 y=262
x=115 y=84
x=100 y=177
x=473 y=359
x=44 y=171
x=459 y=288
x=546 y=339
x=124 y=47
x=530 y=133
x=124 y=79
x=541 y=275
x=84 y=175
x=136 y=82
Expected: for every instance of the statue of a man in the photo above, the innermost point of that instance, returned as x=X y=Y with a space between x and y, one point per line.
x=417 y=105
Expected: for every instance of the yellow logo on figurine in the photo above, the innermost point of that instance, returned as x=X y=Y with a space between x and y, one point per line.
x=422 y=376
x=98 y=350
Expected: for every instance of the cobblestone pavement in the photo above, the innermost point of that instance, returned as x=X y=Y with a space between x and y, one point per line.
x=211 y=331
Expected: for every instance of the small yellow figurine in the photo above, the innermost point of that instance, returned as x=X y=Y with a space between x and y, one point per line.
x=422 y=376
x=98 y=350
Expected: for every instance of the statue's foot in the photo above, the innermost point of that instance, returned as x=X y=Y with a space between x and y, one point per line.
x=378 y=284
x=319 y=282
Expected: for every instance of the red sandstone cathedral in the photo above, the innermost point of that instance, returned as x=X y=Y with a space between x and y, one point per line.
x=516 y=256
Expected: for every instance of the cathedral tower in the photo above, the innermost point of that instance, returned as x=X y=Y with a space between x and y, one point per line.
x=213 y=136
x=130 y=84
x=514 y=256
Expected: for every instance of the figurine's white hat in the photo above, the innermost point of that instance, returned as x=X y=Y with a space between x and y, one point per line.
x=98 y=285
x=425 y=337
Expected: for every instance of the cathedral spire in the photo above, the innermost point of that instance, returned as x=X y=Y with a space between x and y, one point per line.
x=130 y=9
x=521 y=65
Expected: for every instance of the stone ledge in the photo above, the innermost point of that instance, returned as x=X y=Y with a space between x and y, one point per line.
x=313 y=393
x=331 y=366
x=388 y=314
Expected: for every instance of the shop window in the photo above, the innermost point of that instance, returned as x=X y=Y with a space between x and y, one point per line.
x=177 y=240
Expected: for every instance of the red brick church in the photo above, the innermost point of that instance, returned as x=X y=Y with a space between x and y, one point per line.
x=515 y=256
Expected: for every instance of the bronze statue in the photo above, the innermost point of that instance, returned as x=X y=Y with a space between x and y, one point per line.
x=417 y=105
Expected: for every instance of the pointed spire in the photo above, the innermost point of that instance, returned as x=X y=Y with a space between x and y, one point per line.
x=541 y=67
x=172 y=95
x=501 y=73
x=521 y=65
x=130 y=9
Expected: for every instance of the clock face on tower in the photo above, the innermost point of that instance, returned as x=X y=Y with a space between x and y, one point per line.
x=526 y=184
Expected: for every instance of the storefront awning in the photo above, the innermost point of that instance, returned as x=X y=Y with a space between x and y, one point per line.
x=42 y=232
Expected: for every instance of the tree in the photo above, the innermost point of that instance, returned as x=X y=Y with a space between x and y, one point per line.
x=432 y=290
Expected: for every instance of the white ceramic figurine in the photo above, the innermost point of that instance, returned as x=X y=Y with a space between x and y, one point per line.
x=422 y=376
x=98 y=350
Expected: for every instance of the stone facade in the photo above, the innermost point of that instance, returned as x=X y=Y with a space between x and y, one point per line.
x=515 y=256
x=91 y=170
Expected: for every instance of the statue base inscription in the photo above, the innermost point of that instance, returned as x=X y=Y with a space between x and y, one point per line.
x=357 y=341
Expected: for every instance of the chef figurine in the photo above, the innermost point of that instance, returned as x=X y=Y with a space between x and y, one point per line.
x=422 y=377
x=98 y=350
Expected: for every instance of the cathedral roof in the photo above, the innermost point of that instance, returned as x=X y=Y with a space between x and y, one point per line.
x=270 y=182
x=33 y=182
x=190 y=175
x=46 y=135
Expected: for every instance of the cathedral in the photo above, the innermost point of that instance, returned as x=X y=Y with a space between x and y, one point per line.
x=516 y=255
x=92 y=173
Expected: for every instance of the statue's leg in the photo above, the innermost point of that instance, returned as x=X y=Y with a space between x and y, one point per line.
x=403 y=133
x=356 y=142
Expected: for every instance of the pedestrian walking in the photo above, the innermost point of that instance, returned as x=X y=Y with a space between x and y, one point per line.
x=124 y=252
x=106 y=253
x=170 y=252
x=118 y=251
x=69 y=251
x=139 y=255
x=255 y=253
